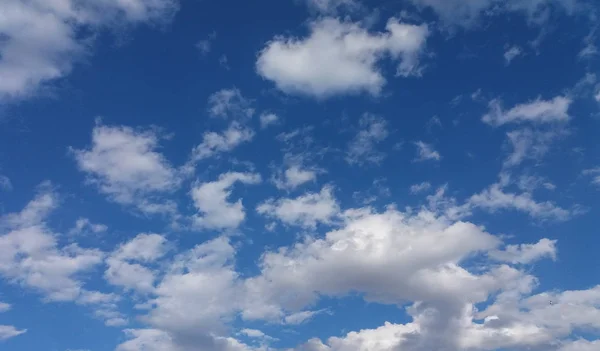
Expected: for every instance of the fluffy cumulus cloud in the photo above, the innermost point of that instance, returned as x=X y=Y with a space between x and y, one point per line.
x=340 y=57
x=212 y=201
x=42 y=40
x=536 y=111
x=306 y=210
x=125 y=165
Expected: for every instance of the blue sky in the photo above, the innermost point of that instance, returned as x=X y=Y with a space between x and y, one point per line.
x=309 y=175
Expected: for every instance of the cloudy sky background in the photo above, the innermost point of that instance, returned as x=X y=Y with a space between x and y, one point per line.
x=309 y=175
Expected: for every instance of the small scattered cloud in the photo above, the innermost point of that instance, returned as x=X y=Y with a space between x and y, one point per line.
x=9 y=331
x=268 y=119
x=4 y=307
x=306 y=210
x=512 y=53
x=83 y=225
x=224 y=62
x=332 y=6
x=594 y=173
x=5 y=183
x=526 y=253
x=362 y=148
x=529 y=144
x=302 y=317
x=494 y=199
x=419 y=188
x=204 y=46
x=293 y=177
x=538 y=111
x=215 y=143
x=230 y=104
x=426 y=152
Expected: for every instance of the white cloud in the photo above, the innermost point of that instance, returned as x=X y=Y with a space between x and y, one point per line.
x=511 y=54
x=301 y=317
x=467 y=13
x=4 y=307
x=83 y=225
x=205 y=45
x=418 y=188
x=340 y=57
x=125 y=165
x=144 y=247
x=30 y=254
x=8 y=331
x=594 y=173
x=256 y=334
x=229 y=103
x=306 y=210
x=331 y=6
x=194 y=299
x=426 y=152
x=526 y=253
x=361 y=149
x=420 y=251
x=42 y=40
x=581 y=345
x=211 y=200
x=528 y=144
x=214 y=143
x=494 y=199
x=123 y=267
x=201 y=292
x=5 y=183
x=536 y=111
x=294 y=176
x=253 y=333
x=267 y=119
x=147 y=340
